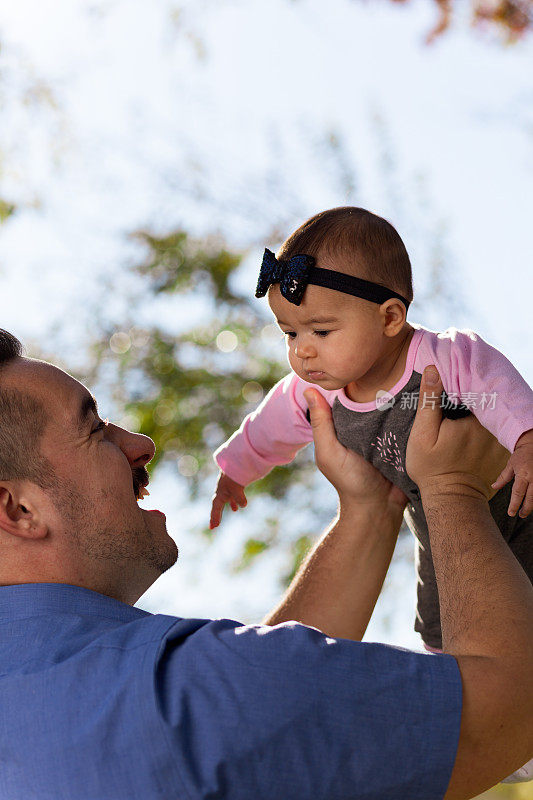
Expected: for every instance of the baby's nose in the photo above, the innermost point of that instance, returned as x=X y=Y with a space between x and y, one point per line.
x=304 y=351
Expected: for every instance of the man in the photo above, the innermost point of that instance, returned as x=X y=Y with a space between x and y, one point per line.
x=102 y=700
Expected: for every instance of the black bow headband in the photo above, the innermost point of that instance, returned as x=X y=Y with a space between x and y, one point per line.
x=295 y=274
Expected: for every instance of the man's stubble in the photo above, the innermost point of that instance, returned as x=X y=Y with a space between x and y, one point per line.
x=133 y=543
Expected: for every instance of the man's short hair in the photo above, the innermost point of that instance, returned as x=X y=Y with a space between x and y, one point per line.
x=366 y=245
x=22 y=422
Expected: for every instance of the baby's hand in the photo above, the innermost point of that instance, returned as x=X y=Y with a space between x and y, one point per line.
x=520 y=465
x=227 y=491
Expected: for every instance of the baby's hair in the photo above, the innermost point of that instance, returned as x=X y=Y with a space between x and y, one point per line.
x=366 y=245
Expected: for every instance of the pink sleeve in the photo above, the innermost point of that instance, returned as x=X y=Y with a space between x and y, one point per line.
x=483 y=379
x=270 y=435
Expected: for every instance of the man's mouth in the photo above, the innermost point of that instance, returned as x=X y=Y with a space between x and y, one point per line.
x=140 y=482
x=142 y=493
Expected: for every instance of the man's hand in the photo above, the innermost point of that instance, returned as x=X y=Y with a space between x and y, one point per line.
x=520 y=465
x=450 y=456
x=352 y=476
x=227 y=491
x=339 y=581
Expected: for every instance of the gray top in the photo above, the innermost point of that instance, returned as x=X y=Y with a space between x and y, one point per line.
x=380 y=436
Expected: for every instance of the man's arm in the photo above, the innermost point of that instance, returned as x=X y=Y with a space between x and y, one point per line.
x=486 y=600
x=338 y=584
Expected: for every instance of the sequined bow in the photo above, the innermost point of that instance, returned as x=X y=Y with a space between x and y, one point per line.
x=292 y=276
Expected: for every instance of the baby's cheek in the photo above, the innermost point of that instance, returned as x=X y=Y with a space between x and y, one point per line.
x=291 y=358
x=295 y=363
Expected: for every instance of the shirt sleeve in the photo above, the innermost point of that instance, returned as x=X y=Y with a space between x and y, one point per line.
x=483 y=379
x=270 y=435
x=254 y=711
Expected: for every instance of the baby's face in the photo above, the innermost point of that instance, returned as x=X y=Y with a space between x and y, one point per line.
x=332 y=338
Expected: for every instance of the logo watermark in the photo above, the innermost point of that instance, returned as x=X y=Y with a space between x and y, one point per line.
x=384 y=399
x=409 y=400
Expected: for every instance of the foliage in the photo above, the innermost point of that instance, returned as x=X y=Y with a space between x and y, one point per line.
x=300 y=548
x=190 y=391
x=513 y=18
x=6 y=210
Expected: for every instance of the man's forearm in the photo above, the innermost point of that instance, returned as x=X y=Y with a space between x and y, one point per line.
x=486 y=607
x=482 y=587
x=337 y=586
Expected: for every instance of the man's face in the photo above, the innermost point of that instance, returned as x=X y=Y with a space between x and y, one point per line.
x=94 y=519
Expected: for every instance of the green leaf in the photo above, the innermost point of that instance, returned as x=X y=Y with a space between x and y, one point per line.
x=299 y=550
x=6 y=210
x=252 y=548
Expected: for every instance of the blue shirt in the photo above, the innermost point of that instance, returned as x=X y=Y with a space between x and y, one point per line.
x=100 y=700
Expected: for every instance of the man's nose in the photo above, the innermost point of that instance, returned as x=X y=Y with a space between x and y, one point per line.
x=138 y=448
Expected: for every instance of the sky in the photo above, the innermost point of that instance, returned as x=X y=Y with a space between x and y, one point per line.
x=244 y=118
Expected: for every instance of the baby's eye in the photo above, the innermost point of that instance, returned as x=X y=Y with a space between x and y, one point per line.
x=290 y=334
x=322 y=333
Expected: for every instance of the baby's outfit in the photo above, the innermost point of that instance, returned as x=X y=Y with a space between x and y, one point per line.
x=472 y=371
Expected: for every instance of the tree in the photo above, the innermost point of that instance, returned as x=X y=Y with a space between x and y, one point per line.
x=513 y=18
x=190 y=391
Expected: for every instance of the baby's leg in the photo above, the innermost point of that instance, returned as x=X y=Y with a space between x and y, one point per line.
x=427 y=622
x=521 y=775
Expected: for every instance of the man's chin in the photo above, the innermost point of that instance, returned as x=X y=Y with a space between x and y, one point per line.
x=167 y=558
x=153 y=512
x=163 y=550
x=154 y=520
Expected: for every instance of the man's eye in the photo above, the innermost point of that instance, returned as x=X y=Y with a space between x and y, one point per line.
x=101 y=425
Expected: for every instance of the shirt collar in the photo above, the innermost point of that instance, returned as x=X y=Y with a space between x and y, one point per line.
x=35 y=599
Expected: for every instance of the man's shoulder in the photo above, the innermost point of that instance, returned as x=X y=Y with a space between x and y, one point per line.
x=145 y=630
x=337 y=709
x=61 y=622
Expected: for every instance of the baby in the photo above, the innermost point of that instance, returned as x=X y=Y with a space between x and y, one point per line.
x=340 y=290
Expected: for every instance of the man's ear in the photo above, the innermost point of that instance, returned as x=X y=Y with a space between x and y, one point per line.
x=394 y=314
x=19 y=511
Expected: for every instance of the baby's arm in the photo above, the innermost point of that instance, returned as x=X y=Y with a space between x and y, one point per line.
x=486 y=381
x=270 y=435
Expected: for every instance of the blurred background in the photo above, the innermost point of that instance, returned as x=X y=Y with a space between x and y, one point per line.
x=148 y=154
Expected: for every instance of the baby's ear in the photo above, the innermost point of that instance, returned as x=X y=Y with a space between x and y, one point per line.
x=394 y=314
